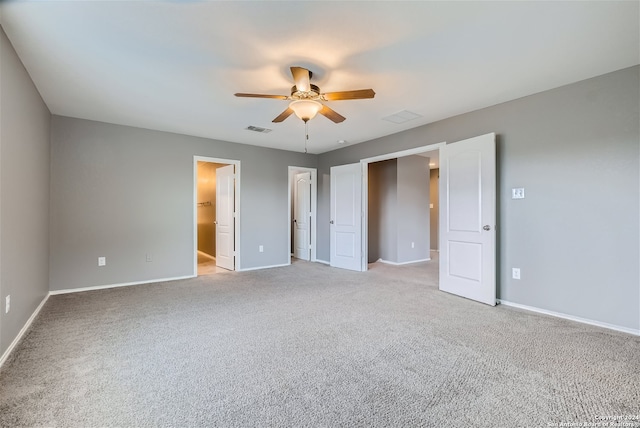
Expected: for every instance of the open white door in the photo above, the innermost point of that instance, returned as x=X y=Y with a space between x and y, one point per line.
x=468 y=218
x=346 y=217
x=302 y=216
x=225 y=221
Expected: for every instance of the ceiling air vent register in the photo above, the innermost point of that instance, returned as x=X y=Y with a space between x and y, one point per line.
x=402 y=117
x=258 y=129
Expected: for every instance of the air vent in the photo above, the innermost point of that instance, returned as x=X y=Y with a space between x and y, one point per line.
x=258 y=129
x=402 y=117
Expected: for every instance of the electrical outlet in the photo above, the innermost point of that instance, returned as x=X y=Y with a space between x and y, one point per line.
x=261 y=248
x=7 y=304
x=413 y=245
x=515 y=273
x=102 y=261
x=149 y=258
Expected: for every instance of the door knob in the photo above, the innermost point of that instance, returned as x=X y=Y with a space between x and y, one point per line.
x=486 y=227
x=331 y=222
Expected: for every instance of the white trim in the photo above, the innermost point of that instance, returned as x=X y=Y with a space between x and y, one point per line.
x=324 y=262
x=365 y=189
x=236 y=236
x=124 y=284
x=264 y=267
x=403 y=263
x=314 y=203
x=628 y=330
x=24 y=329
x=403 y=153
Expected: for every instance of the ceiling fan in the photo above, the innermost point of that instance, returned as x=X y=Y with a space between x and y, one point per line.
x=305 y=98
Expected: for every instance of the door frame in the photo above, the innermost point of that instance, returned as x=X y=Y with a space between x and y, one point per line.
x=365 y=190
x=292 y=170
x=236 y=235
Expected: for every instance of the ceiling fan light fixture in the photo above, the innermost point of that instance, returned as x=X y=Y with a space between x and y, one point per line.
x=305 y=97
x=305 y=109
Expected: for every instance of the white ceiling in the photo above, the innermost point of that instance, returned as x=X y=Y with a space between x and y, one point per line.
x=174 y=66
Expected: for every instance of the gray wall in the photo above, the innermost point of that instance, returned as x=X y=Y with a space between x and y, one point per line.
x=373 y=208
x=413 y=209
x=576 y=235
x=398 y=210
x=24 y=194
x=123 y=192
x=383 y=210
x=435 y=211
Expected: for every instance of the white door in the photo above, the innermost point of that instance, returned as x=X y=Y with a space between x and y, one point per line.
x=225 y=221
x=302 y=216
x=346 y=217
x=468 y=218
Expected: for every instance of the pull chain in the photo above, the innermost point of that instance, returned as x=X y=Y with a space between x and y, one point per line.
x=306 y=134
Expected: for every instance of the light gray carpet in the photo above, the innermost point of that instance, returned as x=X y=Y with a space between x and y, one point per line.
x=309 y=345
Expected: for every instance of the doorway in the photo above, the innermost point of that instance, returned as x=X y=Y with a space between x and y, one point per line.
x=398 y=184
x=399 y=210
x=302 y=213
x=467 y=189
x=216 y=215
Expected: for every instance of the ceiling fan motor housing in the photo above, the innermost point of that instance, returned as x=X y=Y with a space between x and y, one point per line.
x=313 y=94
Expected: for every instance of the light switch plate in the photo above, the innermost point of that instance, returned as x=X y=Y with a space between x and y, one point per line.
x=102 y=261
x=517 y=193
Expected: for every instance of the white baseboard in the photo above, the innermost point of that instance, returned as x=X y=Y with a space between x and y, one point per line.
x=263 y=267
x=324 y=262
x=572 y=318
x=24 y=329
x=403 y=263
x=124 y=284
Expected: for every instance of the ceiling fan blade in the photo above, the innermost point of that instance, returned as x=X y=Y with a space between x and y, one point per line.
x=285 y=114
x=349 y=95
x=301 y=78
x=331 y=114
x=277 y=97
